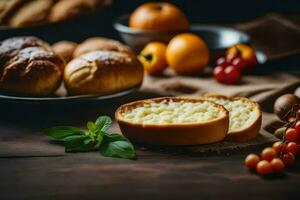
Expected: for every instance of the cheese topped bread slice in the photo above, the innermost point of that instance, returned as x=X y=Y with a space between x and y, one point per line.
x=244 y=116
x=173 y=121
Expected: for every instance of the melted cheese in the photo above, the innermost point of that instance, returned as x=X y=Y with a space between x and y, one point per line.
x=241 y=114
x=171 y=112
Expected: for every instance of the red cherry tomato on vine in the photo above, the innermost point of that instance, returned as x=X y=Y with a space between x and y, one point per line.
x=232 y=74
x=222 y=62
x=292 y=147
x=291 y=135
x=288 y=159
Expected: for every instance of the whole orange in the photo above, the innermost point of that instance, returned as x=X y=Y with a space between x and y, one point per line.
x=158 y=16
x=153 y=57
x=187 y=54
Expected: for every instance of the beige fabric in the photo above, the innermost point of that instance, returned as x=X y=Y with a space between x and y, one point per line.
x=257 y=88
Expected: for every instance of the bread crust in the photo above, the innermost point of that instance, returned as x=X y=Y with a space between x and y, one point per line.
x=100 y=43
x=102 y=72
x=31 y=13
x=250 y=132
x=174 y=134
x=65 y=49
x=65 y=9
x=28 y=67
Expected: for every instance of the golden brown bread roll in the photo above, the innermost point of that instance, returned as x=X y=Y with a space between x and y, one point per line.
x=29 y=67
x=100 y=43
x=66 y=9
x=7 y=7
x=102 y=72
x=11 y=47
x=65 y=49
x=31 y=13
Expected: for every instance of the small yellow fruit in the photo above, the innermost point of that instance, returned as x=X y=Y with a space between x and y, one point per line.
x=153 y=57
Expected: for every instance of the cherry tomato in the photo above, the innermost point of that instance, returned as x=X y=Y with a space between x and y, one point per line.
x=288 y=159
x=239 y=63
x=264 y=167
x=297 y=127
x=279 y=147
x=219 y=74
x=222 y=62
x=268 y=154
x=292 y=147
x=232 y=74
x=251 y=161
x=291 y=135
x=277 y=165
x=230 y=58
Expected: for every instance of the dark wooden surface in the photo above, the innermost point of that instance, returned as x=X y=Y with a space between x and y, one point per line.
x=33 y=167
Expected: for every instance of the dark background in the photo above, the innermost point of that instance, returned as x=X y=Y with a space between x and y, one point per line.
x=198 y=11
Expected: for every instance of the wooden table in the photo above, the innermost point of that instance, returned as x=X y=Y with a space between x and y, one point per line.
x=34 y=167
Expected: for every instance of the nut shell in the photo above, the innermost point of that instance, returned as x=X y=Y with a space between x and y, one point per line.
x=284 y=104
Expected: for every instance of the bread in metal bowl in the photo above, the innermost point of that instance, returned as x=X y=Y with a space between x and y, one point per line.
x=173 y=121
x=245 y=116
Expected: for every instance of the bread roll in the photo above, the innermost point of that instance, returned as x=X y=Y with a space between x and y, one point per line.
x=100 y=43
x=29 y=67
x=102 y=72
x=66 y=9
x=31 y=13
x=7 y=7
x=65 y=49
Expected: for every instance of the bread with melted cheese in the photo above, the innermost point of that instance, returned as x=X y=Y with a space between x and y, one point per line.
x=173 y=121
x=245 y=116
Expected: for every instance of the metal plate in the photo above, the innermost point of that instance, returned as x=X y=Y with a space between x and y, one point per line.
x=65 y=99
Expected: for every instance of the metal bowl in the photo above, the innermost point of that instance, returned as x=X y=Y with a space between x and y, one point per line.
x=136 y=38
x=218 y=38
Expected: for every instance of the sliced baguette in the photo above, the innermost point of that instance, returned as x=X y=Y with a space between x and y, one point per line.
x=173 y=121
x=244 y=116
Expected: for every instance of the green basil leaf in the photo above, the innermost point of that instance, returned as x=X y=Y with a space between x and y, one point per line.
x=80 y=144
x=103 y=123
x=63 y=132
x=115 y=145
x=114 y=137
x=71 y=137
x=91 y=126
x=99 y=139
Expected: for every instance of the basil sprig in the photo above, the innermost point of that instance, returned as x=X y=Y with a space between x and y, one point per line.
x=97 y=137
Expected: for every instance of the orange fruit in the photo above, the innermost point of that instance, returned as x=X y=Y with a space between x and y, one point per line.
x=187 y=53
x=158 y=16
x=153 y=57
